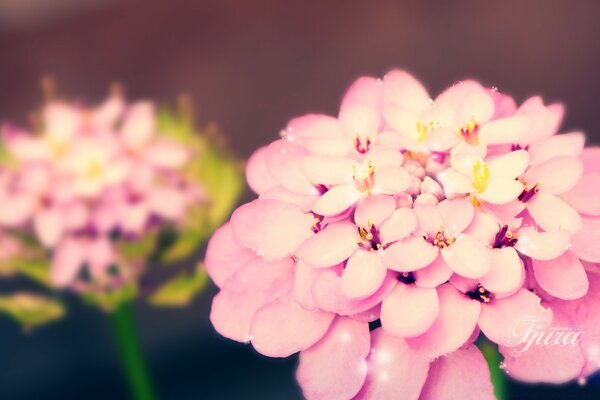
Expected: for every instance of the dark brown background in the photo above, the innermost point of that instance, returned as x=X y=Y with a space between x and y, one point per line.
x=252 y=65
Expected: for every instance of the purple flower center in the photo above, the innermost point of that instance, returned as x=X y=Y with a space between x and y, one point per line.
x=362 y=147
x=480 y=294
x=371 y=238
x=504 y=238
x=406 y=277
x=528 y=193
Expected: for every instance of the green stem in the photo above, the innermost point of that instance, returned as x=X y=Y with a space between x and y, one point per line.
x=134 y=366
x=498 y=376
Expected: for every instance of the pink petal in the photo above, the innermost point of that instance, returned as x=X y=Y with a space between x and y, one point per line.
x=564 y=277
x=468 y=257
x=284 y=162
x=328 y=295
x=48 y=226
x=327 y=170
x=552 y=213
x=506 y=274
x=303 y=201
x=568 y=144
x=224 y=255
x=391 y=180
x=454 y=325
x=409 y=255
x=434 y=274
x=133 y=217
x=456 y=215
x=545 y=120
x=335 y=367
x=553 y=363
x=484 y=227
x=257 y=173
x=477 y=104
x=395 y=370
x=334 y=244
x=430 y=219
x=543 y=245
x=100 y=255
x=402 y=89
x=271 y=278
x=510 y=165
x=16 y=209
x=499 y=318
x=167 y=202
x=556 y=175
x=76 y=216
x=447 y=380
x=336 y=200
x=231 y=313
x=273 y=229
x=304 y=280
x=585 y=196
x=166 y=155
x=385 y=158
x=283 y=327
x=409 y=310
x=67 y=261
x=502 y=191
x=584 y=243
x=505 y=130
x=374 y=210
x=313 y=126
x=454 y=182
x=398 y=226
x=139 y=124
x=364 y=274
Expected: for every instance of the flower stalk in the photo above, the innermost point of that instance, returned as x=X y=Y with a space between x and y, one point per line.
x=132 y=359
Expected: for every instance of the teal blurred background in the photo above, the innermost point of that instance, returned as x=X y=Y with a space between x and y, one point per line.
x=251 y=66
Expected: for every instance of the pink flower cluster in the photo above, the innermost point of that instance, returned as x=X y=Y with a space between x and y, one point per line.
x=385 y=240
x=87 y=177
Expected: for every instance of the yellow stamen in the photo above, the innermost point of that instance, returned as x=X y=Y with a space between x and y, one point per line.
x=481 y=176
x=422 y=131
x=93 y=170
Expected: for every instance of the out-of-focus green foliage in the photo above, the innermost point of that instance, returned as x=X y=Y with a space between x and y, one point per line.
x=31 y=310
x=109 y=300
x=216 y=171
x=180 y=290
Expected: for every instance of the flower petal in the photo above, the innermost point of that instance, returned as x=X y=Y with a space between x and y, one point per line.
x=456 y=215
x=398 y=226
x=395 y=370
x=454 y=325
x=364 y=274
x=48 y=226
x=506 y=274
x=542 y=245
x=402 y=89
x=505 y=130
x=273 y=229
x=434 y=274
x=409 y=255
x=556 y=175
x=447 y=380
x=567 y=144
x=564 y=277
x=335 y=367
x=468 y=257
x=502 y=191
x=585 y=196
x=224 y=255
x=334 y=244
x=67 y=261
x=409 y=310
x=391 y=180
x=510 y=165
x=327 y=170
x=336 y=200
x=283 y=327
x=585 y=242
x=374 y=210
x=552 y=213
x=499 y=318
x=284 y=161
x=257 y=173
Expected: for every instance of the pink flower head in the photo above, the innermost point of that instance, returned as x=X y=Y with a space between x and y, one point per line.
x=91 y=176
x=386 y=239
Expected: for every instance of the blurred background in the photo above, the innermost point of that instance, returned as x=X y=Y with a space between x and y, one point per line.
x=251 y=66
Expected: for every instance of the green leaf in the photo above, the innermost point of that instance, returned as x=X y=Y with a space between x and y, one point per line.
x=215 y=170
x=138 y=250
x=35 y=269
x=111 y=299
x=30 y=309
x=180 y=290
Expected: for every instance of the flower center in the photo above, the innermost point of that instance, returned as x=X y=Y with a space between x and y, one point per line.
x=362 y=146
x=480 y=294
x=441 y=240
x=504 y=238
x=481 y=176
x=93 y=170
x=406 y=277
x=423 y=131
x=364 y=176
x=370 y=238
x=469 y=132
x=528 y=193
